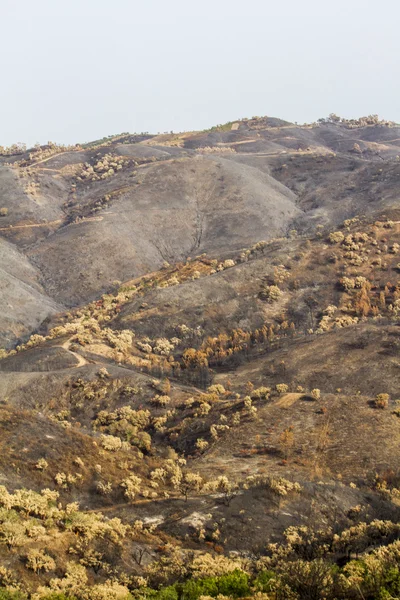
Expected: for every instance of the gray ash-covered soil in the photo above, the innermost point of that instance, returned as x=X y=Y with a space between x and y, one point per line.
x=174 y=200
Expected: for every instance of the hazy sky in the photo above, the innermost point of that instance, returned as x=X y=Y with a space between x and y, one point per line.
x=76 y=70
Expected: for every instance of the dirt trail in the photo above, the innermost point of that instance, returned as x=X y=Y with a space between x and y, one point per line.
x=287 y=400
x=45 y=159
x=48 y=223
x=81 y=361
x=51 y=170
x=39 y=162
x=233 y=143
x=10 y=227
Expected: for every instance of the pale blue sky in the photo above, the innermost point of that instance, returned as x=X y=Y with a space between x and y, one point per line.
x=74 y=71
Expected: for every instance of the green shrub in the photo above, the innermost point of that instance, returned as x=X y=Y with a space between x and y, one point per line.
x=391 y=584
x=235 y=583
x=194 y=588
x=6 y=595
x=263 y=581
x=167 y=593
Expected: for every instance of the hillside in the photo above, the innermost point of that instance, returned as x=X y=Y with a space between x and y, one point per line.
x=87 y=217
x=199 y=387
